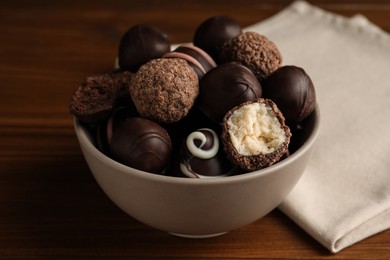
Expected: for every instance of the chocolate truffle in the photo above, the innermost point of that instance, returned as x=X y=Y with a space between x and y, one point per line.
x=201 y=156
x=212 y=33
x=142 y=144
x=164 y=89
x=140 y=44
x=255 y=51
x=225 y=87
x=254 y=134
x=197 y=58
x=95 y=98
x=106 y=128
x=291 y=88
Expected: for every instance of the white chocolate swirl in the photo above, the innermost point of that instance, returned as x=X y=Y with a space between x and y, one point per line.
x=198 y=151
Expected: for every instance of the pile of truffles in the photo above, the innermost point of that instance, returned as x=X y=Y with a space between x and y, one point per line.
x=220 y=106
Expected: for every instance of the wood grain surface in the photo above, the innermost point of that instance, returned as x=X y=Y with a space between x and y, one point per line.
x=50 y=205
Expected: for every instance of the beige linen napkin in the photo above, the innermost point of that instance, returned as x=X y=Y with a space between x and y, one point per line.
x=344 y=194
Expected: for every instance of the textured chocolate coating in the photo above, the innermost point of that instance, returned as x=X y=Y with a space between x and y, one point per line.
x=197 y=58
x=212 y=33
x=140 y=44
x=201 y=156
x=261 y=160
x=255 y=51
x=225 y=87
x=95 y=98
x=293 y=91
x=142 y=144
x=164 y=89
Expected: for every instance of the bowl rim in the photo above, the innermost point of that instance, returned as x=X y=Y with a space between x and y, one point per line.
x=83 y=137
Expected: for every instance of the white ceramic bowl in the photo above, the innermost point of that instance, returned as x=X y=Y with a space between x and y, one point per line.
x=198 y=207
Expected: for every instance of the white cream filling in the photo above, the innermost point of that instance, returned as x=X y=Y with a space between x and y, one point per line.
x=254 y=129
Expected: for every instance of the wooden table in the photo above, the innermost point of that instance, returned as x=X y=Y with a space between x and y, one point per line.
x=50 y=205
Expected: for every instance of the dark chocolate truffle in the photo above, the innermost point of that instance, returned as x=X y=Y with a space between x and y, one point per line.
x=201 y=156
x=213 y=32
x=197 y=58
x=164 y=89
x=142 y=144
x=140 y=44
x=106 y=128
x=254 y=134
x=95 y=98
x=255 y=51
x=291 y=88
x=225 y=87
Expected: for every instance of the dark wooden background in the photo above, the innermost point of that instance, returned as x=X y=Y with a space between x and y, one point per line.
x=50 y=205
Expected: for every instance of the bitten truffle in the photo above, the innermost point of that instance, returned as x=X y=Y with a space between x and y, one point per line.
x=293 y=92
x=201 y=156
x=254 y=134
x=95 y=98
x=255 y=51
x=142 y=144
x=225 y=87
x=164 y=90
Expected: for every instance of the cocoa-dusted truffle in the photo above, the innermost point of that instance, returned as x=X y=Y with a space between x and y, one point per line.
x=201 y=156
x=140 y=44
x=94 y=99
x=164 y=89
x=255 y=51
x=142 y=144
x=225 y=87
x=293 y=92
x=212 y=33
x=254 y=134
x=197 y=58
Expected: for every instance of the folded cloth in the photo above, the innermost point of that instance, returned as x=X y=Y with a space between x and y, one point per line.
x=344 y=194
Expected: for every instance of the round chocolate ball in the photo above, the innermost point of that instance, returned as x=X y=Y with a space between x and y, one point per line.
x=106 y=129
x=291 y=88
x=201 y=156
x=212 y=33
x=255 y=51
x=140 y=44
x=117 y=118
x=164 y=90
x=197 y=58
x=254 y=134
x=142 y=144
x=225 y=87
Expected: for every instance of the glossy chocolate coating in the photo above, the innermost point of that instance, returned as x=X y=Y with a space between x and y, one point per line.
x=142 y=144
x=201 y=156
x=118 y=118
x=225 y=87
x=140 y=44
x=106 y=128
x=293 y=92
x=213 y=32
